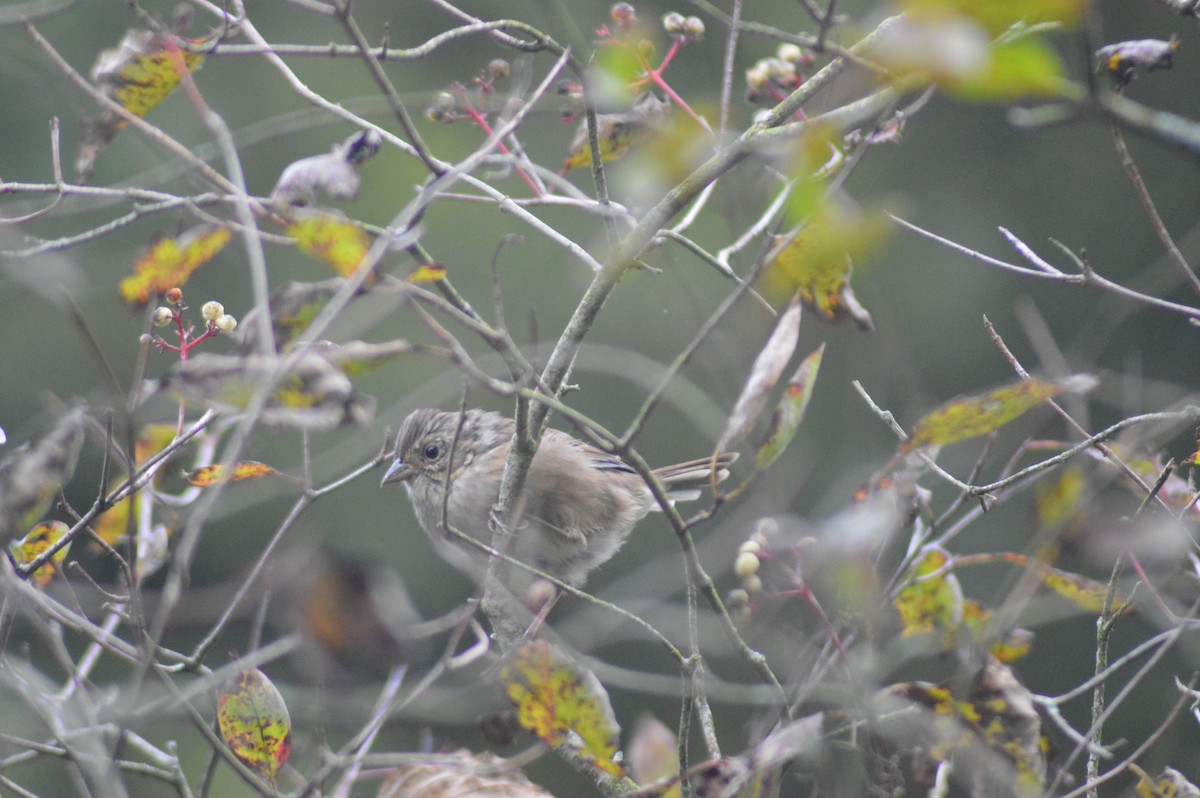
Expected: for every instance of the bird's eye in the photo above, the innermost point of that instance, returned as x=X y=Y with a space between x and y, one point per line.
x=432 y=451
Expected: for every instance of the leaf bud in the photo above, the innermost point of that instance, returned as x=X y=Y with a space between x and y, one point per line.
x=212 y=310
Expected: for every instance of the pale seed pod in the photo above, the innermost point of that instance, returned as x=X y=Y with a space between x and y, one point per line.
x=746 y=564
x=212 y=310
x=791 y=53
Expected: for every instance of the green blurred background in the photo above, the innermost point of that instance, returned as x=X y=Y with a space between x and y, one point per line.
x=960 y=170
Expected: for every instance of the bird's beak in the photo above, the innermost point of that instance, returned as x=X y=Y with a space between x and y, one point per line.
x=398 y=471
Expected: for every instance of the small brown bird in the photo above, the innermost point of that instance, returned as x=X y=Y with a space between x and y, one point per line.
x=580 y=502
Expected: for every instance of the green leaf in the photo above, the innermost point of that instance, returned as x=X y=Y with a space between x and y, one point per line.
x=997 y=16
x=254 y=723
x=1022 y=68
x=790 y=410
x=972 y=416
x=562 y=703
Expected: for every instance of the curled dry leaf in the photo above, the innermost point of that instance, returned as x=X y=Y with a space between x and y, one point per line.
x=764 y=375
x=334 y=173
x=31 y=475
x=758 y=772
x=993 y=734
x=458 y=775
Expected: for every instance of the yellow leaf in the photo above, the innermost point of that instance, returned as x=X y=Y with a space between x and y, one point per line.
x=39 y=539
x=112 y=525
x=254 y=723
x=817 y=259
x=1058 y=501
x=1013 y=646
x=932 y=599
x=210 y=475
x=427 y=273
x=148 y=78
x=972 y=416
x=152 y=439
x=562 y=704
x=999 y=15
x=1086 y=593
x=171 y=261
x=142 y=70
x=334 y=240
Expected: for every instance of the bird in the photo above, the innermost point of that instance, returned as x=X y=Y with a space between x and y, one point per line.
x=579 y=505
